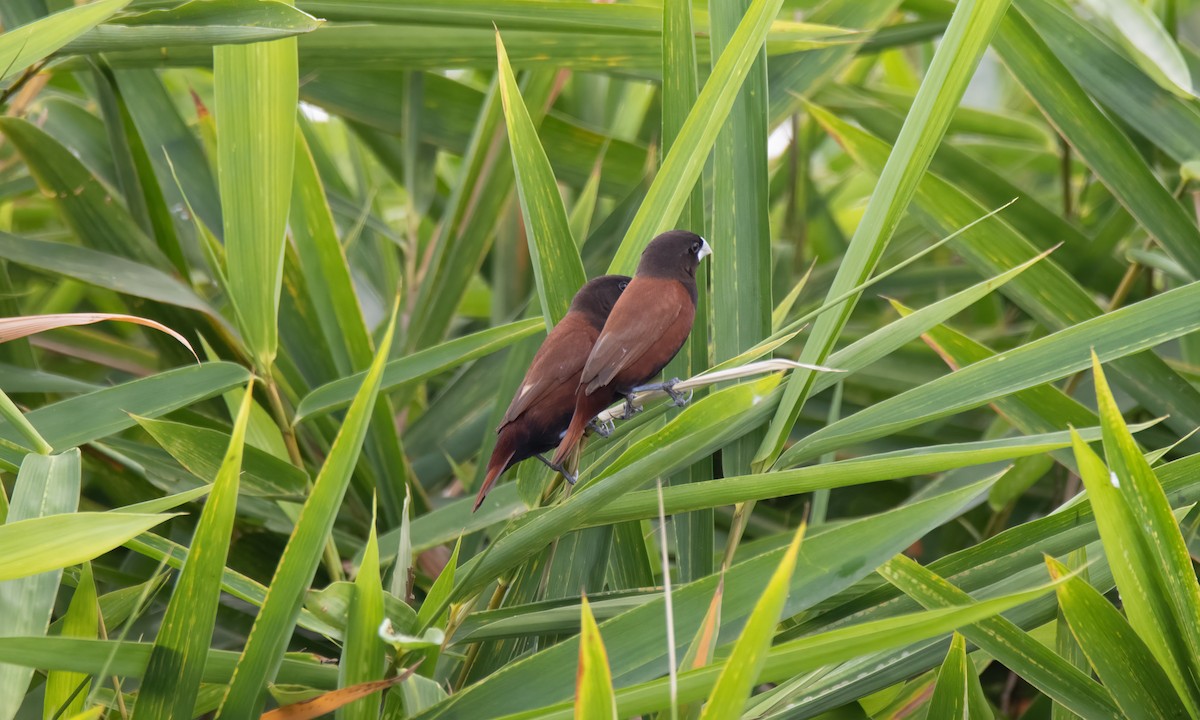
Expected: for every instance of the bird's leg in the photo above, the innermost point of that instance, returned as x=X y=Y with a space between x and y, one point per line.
x=603 y=429
x=630 y=408
x=679 y=398
x=570 y=476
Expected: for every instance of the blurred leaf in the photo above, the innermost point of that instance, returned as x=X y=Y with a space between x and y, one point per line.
x=420 y=365
x=1141 y=33
x=26 y=43
x=198 y=22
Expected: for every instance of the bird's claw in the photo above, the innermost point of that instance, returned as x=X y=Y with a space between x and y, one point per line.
x=679 y=398
x=603 y=428
x=569 y=476
x=630 y=409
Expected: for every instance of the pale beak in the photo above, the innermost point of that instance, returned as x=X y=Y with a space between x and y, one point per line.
x=705 y=250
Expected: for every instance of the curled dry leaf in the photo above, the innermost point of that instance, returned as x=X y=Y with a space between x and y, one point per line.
x=12 y=328
x=334 y=699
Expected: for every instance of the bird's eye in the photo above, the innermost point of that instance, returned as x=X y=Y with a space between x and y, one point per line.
x=622 y=286
x=695 y=248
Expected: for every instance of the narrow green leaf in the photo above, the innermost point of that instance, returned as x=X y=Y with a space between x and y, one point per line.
x=1120 y=658
x=557 y=268
x=1139 y=30
x=67 y=691
x=1004 y=641
x=172 y=678
x=256 y=94
x=23 y=45
x=967 y=36
x=363 y=657
x=421 y=365
x=42 y=544
x=84 y=418
x=264 y=650
x=17 y=420
x=594 y=698
x=957 y=693
x=741 y=670
x=672 y=186
x=432 y=610
x=1123 y=332
x=46 y=486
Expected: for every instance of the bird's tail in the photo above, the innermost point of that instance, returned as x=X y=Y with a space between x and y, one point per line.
x=501 y=457
x=586 y=408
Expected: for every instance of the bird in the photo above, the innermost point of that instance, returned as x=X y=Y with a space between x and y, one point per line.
x=647 y=327
x=545 y=400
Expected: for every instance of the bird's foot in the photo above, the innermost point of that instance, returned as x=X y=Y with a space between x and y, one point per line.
x=630 y=408
x=567 y=474
x=679 y=398
x=602 y=428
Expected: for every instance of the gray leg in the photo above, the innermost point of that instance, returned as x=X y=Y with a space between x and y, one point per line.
x=603 y=429
x=679 y=398
x=630 y=408
x=570 y=477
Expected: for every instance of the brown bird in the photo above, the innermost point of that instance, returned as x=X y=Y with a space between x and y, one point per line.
x=542 y=408
x=646 y=328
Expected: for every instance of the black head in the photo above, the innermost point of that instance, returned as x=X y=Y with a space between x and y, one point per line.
x=673 y=254
x=598 y=295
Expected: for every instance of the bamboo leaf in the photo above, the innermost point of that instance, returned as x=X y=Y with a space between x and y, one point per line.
x=555 y=254
x=261 y=658
x=67 y=691
x=25 y=44
x=256 y=94
x=967 y=36
x=363 y=659
x=594 y=698
x=172 y=678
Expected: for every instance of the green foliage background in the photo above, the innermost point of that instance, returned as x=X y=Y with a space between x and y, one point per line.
x=364 y=216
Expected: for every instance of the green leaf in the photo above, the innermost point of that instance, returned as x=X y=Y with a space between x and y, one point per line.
x=1120 y=658
x=1004 y=641
x=85 y=418
x=1120 y=333
x=420 y=365
x=67 y=691
x=102 y=270
x=256 y=95
x=741 y=670
x=967 y=36
x=43 y=544
x=554 y=253
x=265 y=647
x=1141 y=33
x=958 y=693
x=47 y=486
x=594 y=698
x=363 y=658
x=24 y=44
x=172 y=678
x=672 y=186
x=198 y=22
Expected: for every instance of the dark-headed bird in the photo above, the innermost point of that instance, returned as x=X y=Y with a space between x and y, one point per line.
x=542 y=408
x=646 y=328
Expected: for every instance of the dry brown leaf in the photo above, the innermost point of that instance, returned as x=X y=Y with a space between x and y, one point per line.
x=12 y=328
x=334 y=699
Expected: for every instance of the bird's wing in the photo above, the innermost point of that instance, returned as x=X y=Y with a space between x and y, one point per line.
x=642 y=317
x=557 y=364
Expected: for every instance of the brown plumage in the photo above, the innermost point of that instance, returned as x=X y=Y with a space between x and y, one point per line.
x=647 y=326
x=542 y=408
